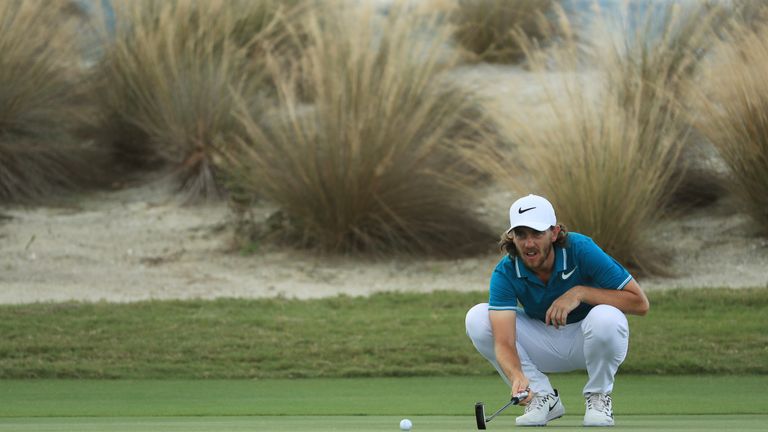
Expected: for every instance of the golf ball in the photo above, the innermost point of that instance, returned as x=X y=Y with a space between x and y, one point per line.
x=405 y=425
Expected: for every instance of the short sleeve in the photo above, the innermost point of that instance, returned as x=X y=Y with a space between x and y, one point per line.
x=604 y=271
x=502 y=292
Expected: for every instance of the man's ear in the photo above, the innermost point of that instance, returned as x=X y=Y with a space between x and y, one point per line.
x=555 y=232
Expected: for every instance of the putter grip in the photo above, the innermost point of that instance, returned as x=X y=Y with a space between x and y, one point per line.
x=518 y=397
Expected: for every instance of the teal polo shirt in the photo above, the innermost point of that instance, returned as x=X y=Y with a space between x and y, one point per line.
x=580 y=262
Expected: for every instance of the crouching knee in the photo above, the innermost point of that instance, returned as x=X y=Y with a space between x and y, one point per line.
x=477 y=323
x=606 y=324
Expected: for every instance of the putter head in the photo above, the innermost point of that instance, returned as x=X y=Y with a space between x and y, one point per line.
x=518 y=397
x=480 y=415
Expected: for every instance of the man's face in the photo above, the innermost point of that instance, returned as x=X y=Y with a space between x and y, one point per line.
x=535 y=247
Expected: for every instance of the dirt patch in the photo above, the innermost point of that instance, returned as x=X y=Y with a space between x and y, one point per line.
x=139 y=243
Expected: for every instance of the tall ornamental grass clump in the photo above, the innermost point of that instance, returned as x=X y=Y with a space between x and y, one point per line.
x=657 y=53
x=40 y=80
x=608 y=148
x=486 y=28
x=734 y=115
x=380 y=159
x=167 y=80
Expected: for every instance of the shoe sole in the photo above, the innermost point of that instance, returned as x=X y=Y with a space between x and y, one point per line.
x=540 y=424
x=598 y=425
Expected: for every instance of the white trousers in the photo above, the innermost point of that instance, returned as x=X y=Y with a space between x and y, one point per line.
x=598 y=344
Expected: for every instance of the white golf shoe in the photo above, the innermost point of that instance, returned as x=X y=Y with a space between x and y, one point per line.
x=599 y=410
x=541 y=409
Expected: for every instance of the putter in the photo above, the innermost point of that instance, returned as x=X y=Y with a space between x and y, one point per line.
x=480 y=410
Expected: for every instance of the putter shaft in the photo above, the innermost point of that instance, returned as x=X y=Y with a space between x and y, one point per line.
x=512 y=402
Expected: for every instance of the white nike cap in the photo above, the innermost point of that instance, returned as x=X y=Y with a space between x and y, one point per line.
x=532 y=211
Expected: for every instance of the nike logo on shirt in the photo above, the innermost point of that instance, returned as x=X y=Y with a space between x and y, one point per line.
x=567 y=275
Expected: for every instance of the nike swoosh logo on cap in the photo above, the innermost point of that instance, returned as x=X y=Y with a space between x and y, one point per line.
x=521 y=211
x=567 y=275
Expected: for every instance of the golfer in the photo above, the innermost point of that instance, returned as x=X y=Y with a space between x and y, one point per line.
x=557 y=303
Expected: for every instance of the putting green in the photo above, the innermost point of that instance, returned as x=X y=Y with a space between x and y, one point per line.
x=364 y=404
x=435 y=396
x=368 y=423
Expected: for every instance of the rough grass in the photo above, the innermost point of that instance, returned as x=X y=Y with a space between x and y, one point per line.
x=607 y=149
x=166 y=82
x=379 y=159
x=40 y=76
x=693 y=331
x=486 y=28
x=734 y=115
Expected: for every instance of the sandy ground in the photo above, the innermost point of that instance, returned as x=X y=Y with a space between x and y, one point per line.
x=138 y=243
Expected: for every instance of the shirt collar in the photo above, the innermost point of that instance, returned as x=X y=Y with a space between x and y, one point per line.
x=561 y=260
x=560 y=265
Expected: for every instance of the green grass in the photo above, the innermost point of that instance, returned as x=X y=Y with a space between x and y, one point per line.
x=445 y=403
x=391 y=334
x=377 y=423
x=424 y=396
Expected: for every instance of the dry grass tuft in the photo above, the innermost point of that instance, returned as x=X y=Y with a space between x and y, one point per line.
x=39 y=85
x=608 y=148
x=661 y=59
x=734 y=115
x=167 y=81
x=486 y=27
x=375 y=163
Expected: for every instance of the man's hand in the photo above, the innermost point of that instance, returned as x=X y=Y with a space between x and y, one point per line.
x=519 y=385
x=557 y=314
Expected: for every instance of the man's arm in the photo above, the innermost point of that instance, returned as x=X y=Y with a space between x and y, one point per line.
x=504 y=342
x=631 y=300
